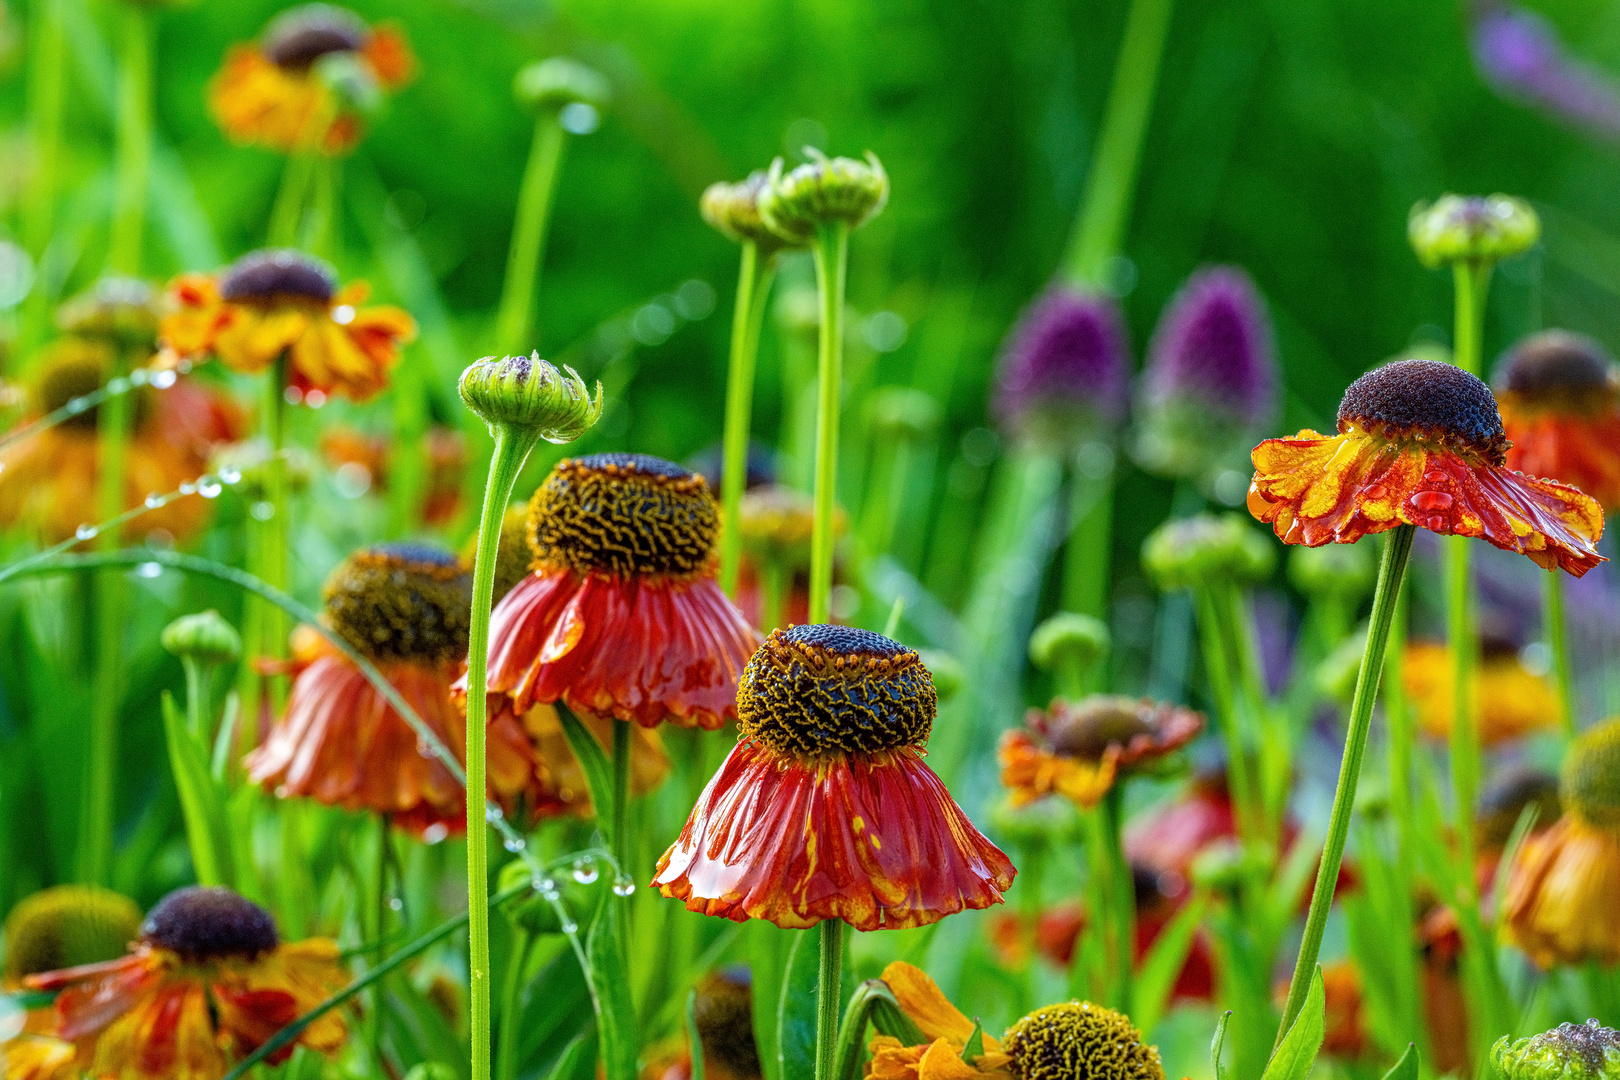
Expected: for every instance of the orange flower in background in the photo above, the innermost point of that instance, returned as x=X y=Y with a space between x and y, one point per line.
x=405 y=607
x=1420 y=443
x=945 y=1030
x=444 y=449
x=208 y=982
x=1077 y=750
x=269 y=303
x=560 y=786
x=273 y=94
x=1445 y=1008
x=1511 y=701
x=1346 y=1035
x=50 y=480
x=1561 y=888
x=621 y=616
x=38 y=1057
x=824 y=809
x=1560 y=401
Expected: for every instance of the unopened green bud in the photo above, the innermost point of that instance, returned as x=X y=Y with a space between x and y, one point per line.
x=946 y=671
x=431 y=1070
x=1345 y=571
x=1068 y=639
x=900 y=412
x=205 y=637
x=527 y=393
x=1589 y=782
x=1191 y=552
x=1044 y=820
x=1471 y=229
x=1227 y=865
x=122 y=309
x=823 y=191
x=551 y=85
x=733 y=210
x=1586 y=1051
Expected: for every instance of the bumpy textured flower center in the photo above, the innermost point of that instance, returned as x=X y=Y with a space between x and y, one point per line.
x=401 y=602
x=724 y=1015
x=1427 y=400
x=66 y=926
x=625 y=515
x=1556 y=367
x=814 y=691
x=208 y=924
x=299 y=37
x=73 y=375
x=263 y=276
x=1590 y=782
x=1588 y=1049
x=1088 y=729
x=1080 y=1041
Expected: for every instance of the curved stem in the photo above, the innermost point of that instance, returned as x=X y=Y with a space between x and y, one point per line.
x=134 y=141
x=831 y=976
x=514 y=318
x=831 y=253
x=1111 y=182
x=1391 y=571
x=511 y=450
x=753 y=284
x=1556 y=629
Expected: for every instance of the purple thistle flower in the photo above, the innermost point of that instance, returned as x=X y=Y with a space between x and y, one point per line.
x=1214 y=345
x=1067 y=357
x=1521 y=56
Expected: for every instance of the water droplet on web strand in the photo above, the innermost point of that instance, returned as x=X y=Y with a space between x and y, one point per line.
x=149 y=569
x=153 y=501
x=77 y=405
x=85 y=532
x=230 y=475
x=162 y=379
x=396 y=904
x=139 y=377
x=209 y=487
x=263 y=510
x=492 y=814
x=514 y=844
x=568 y=926
x=548 y=889
x=118 y=386
x=623 y=886
x=188 y=489
x=585 y=871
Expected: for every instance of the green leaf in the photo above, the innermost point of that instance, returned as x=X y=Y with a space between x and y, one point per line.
x=598 y=773
x=767 y=958
x=796 y=1010
x=1219 y=1043
x=1164 y=961
x=693 y=1036
x=610 y=975
x=973 y=1050
x=200 y=800
x=1295 y=1055
x=1407 y=1067
x=578 y=1059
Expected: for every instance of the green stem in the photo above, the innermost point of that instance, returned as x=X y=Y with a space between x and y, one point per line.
x=620 y=842
x=1557 y=631
x=827 y=997
x=1391 y=572
x=831 y=253
x=287 y=213
x=753 y=286
x=1472 y=281
x=514 y=318
x=47 y=51
x=374 y=1020
x=506 y=1049
x=199 y=707
x=1123 y=906
x=1464 y=640
x=1218 y=668
x=275 y=532
x=1111 y=183
x=1088 y=559
x=774 y=582
x=512 y=448
x=134 y=141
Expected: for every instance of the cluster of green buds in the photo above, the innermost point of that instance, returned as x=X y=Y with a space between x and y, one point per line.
x=1471 y=229
x=1191 y=552
x=1586 y=1051
x=822 y=192
x=526 y=393
x=1344 y=572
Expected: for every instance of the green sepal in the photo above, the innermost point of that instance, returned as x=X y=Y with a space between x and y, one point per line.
x=1407 y=1067
x=973 y=1049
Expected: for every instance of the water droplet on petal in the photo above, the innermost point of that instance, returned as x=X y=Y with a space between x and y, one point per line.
x=1431 y=502
x=1434 y=476
x=1375 y=492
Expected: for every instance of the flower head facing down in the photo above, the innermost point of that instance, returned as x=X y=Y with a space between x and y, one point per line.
x=1586 y=1051
x=1558 y=904
x=733 y=211
x=1078 y=750
x=621 y=615
x=406 y=608
x=1420 y=443
x=1560 y=399
x=822 y=192
x=303 y=86
x=274 y=302
x=527 y=393
x=1210 y=379
x=1066 y=363
x=1471 y=229
x=208 y=982
x=66 y=926
x=825 y=810
x=1079 y=1039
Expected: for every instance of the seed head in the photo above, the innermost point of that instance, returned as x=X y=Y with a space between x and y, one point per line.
x=1080 y=1041
x=1558 y=368
x=209 y=923
x=1586 y=1051
x=401 y=602
x=823 y=191
x=1505 y=798
x=1427 y=400
x=121 y=309
x=273 y=274
x=723 y=1013
x=624 y=516
x=527 y=394
x=65 y=926
x=1471 y=229
x=1589 y=783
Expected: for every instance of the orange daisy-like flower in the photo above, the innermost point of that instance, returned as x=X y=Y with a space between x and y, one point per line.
x=1561 y=888
x=1420 y=443
x=272 y=302
x=1560 y=401
x=208 y=982
x=621 y=616
x=1509 y=699
x=405 y=607
x=272 y=94
x=824 y=809
x=1077 y=750
x=944 y=1028
x=38 y=1057
x=50 y=480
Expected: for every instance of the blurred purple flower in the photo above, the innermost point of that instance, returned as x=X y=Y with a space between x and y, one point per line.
x=1520 y=55
x=1067 y=355
x=1214 y=345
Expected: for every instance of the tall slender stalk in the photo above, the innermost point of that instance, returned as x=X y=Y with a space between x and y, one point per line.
x=1111 y=182
x=753 y=287
x=831 y=254
x=1087 y=559
x=828 y=982
x=134 y=151
x=1122 y=906
x=1556 y=628
x=514 y=317
x=275 y=532
x=47 y=51
x=1391 y=572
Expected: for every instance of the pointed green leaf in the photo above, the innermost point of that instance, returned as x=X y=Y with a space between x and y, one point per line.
x=1297 y=1052
x=200 y=801
x=617 y=1016
x=796 y=1012
x=598 y=772
x=1164 y=961
x=1407 y=1067
x=973 y=1050
x=1219 y=1044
